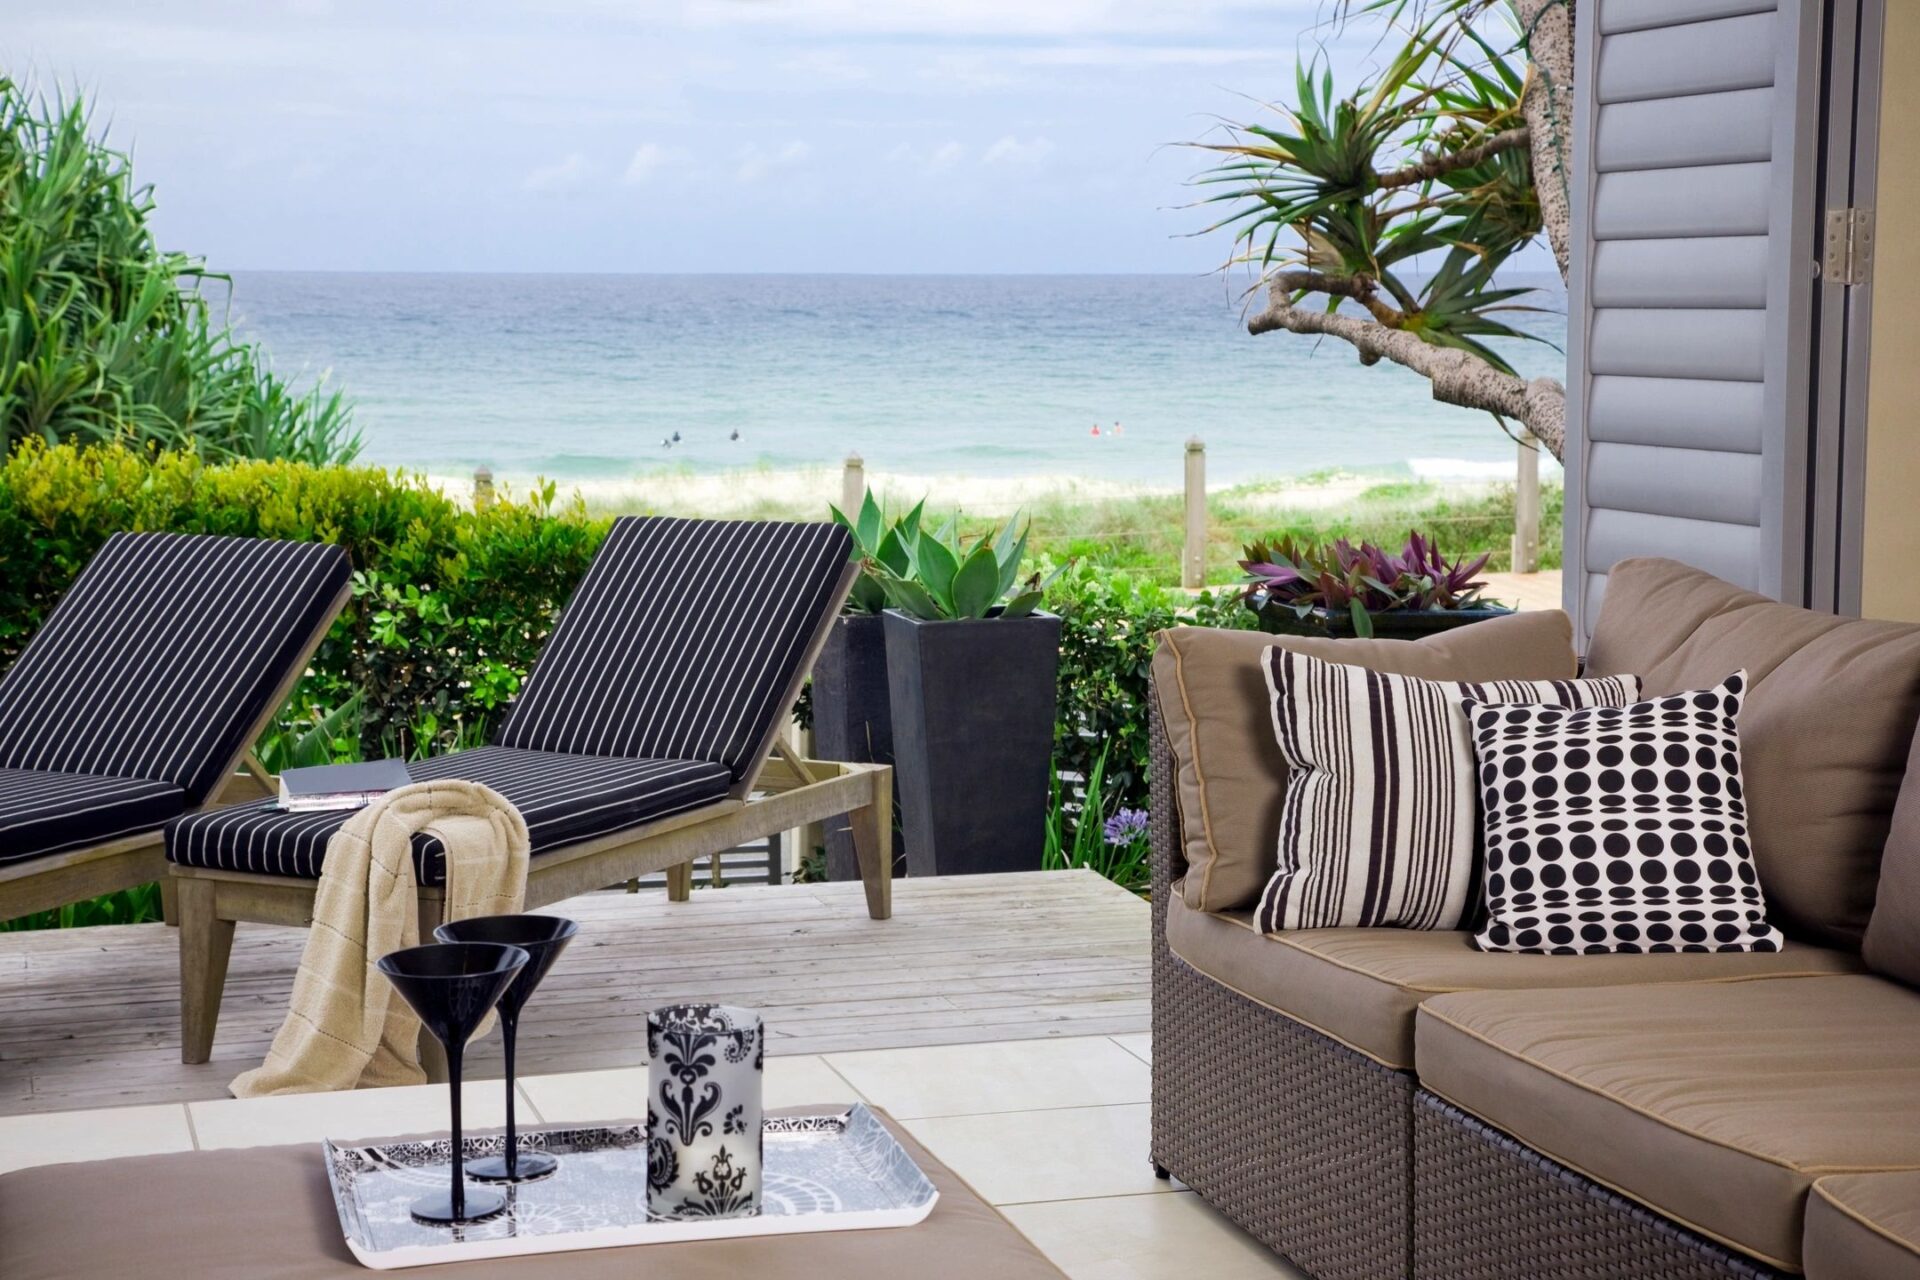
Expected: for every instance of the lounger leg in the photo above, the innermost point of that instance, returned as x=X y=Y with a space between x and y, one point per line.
x=206 y=942
x=680 y=882
x=872 y=829
x=169 y=901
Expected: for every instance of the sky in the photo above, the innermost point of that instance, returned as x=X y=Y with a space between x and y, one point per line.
x=676 y=135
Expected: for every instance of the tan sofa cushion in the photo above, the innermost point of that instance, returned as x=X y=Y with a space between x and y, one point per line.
x=1864 y=1226
x=1717 y=1105
x=1362 y=986
x=1823 y=734
x=1893 y=934
x=1231 y=776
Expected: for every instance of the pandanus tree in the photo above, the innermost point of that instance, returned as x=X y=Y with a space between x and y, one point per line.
x=104 y=335
x=1381 y=217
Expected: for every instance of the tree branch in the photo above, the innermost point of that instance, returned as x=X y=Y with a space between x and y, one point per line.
x=1458 y=377
x=1362 y=289
x=1547 y=103
x=1432 y=164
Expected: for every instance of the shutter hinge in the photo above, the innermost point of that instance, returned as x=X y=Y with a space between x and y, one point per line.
x=1848 y=258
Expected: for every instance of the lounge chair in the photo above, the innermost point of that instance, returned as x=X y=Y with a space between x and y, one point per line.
x=140 y=697
x=639 y=744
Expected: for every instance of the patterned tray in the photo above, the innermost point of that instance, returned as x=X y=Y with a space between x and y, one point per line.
x=823 y=1173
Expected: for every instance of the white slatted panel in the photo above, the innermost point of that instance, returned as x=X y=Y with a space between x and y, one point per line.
x=1690 y=147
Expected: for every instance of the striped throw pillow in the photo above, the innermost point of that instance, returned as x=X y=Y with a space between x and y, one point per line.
x=1381 y=821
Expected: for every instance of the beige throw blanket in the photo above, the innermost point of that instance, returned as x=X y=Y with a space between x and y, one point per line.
x=346 y=1026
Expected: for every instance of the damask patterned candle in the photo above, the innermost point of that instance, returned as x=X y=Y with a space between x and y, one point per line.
x=704 y=1071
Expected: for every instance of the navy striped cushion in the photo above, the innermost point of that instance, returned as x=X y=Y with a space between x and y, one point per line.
x=682 y=641
x=565 y=799
x=42 y=813
x=163 y=655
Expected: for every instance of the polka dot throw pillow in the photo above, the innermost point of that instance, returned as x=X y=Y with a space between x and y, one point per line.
x=1618 y=829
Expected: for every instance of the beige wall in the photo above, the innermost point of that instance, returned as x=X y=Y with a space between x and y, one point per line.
x=1890 y=569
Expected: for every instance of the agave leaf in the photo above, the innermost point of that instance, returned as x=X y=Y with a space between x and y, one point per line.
x=934 y=564
x=1010 y=558
x=1021 y=605
x=909 y=525
x=871 y=523
x=976 y=585
x=893 y=552
x=910 y=598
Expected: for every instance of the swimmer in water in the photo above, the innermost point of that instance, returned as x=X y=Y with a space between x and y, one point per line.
x=1096 y=428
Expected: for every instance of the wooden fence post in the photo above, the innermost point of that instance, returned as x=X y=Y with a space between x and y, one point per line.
x=1193 y=560
x=482 y=488
x=1526 y=508
x=853 y=486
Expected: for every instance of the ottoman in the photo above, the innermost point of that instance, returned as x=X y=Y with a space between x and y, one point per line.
x=265 y=1213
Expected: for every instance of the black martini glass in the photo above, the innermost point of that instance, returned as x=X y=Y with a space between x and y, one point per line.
x=451 y=985
x=543 y=938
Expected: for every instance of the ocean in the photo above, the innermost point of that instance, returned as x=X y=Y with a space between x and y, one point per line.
x=617 y=377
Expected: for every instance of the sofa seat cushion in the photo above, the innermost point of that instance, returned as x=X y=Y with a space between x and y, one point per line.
x=1363 y=986
x=1716 y=1105
x=43 y=812
x=565 y=799
x=1864 y=1226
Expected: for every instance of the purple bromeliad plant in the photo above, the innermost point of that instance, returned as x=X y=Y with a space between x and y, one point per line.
x=1339 y=577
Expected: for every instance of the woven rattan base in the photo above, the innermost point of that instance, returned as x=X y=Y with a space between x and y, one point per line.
x=1488 y=1208
x=1303 y=1142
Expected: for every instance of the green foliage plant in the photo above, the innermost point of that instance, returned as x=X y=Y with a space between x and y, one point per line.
x=106 y=337
x=878 y=542
x=944 y=580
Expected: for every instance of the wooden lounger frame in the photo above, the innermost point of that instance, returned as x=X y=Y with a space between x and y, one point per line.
x=780 y=792
x=39 y=884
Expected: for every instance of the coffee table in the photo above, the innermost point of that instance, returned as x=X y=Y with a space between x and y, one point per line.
x=265 y=1213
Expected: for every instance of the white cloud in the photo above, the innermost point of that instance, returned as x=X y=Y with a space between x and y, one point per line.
x=756 y=162
x=648 y=158
x=939 y=160
x=1010 y=150
x=558 y=176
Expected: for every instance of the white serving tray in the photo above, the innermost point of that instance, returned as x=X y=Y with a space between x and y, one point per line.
x=841 y=1172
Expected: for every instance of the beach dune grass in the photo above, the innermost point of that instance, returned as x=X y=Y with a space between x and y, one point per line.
x=1144 y=532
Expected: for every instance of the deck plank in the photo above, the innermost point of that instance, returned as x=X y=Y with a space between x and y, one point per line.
x=89 y=1017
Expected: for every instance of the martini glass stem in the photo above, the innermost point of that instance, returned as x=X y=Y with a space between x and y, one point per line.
x=454 y=1053
x=509 y=1023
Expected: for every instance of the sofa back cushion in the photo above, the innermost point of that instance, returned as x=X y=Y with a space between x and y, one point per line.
x=1231 y=779
x=1824 y=731
x=1893 y=935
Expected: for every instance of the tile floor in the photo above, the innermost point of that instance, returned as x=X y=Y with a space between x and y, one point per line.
x=1053 y=1131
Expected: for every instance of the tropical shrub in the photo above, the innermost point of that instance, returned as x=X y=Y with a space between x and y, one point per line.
x=104 y=336
x=1108 y=621
x=878 y=541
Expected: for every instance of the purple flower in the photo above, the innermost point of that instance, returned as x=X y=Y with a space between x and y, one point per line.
x=1126 y=826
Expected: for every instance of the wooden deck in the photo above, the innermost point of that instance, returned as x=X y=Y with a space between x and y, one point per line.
x=89 y=1017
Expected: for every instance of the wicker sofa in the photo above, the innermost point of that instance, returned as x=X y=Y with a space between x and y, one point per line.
x=1385 y=1103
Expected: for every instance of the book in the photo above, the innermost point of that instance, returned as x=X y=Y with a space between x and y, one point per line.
x=340 y=786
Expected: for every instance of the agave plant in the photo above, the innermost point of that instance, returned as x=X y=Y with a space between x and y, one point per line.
x=1339 y=577
x=877 y=542
x=940 y=579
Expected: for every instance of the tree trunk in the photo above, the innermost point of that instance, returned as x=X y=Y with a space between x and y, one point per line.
x=1547 y=28
x=1457 y=377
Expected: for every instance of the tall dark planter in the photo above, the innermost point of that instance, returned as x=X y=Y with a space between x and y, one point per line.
x=973 y=711
x=852 y=719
